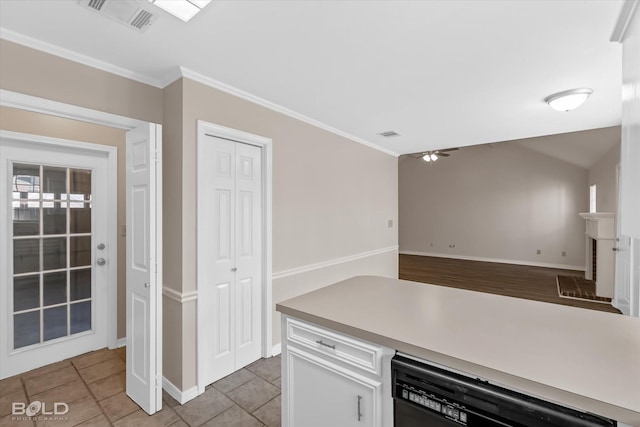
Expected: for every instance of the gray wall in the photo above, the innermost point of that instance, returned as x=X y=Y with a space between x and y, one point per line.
x=499 y=201
x=603 y=174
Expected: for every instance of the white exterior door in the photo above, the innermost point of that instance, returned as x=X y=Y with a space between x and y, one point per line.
x=229 y=254
x=57 y=250
x=144 y=262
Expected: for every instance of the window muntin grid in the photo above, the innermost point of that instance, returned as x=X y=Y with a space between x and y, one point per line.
x=52 y=240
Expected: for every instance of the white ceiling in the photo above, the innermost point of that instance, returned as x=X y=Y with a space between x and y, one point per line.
x=441 y=73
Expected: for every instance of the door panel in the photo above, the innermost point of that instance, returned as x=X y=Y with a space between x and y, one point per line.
x=216 y=242
x=247 y=306
x=229 y=258
x=249 y=253
x=144 y=277
x=224 y=321
x=56 y=296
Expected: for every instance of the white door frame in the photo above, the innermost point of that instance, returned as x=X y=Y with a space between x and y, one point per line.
x=74 y=112
x=205 y=128
x=110 y=201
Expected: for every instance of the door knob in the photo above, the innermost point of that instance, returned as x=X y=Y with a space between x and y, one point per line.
x=615 y=249
x=101 y=261
x=234 y=269
x=101 y=246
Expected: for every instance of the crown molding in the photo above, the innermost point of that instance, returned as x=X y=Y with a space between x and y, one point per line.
x=49 y=48
x=208 y=81
x=624 y=19
x=175 y=74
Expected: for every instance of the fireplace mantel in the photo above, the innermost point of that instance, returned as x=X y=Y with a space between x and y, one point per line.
x=600 y=261
x=600 y=225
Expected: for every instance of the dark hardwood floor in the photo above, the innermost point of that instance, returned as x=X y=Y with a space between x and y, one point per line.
x=520 y=281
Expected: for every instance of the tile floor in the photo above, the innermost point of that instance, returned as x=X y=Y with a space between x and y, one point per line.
x=93 y=385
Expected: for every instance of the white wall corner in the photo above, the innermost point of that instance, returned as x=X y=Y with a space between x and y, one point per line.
x=181 y=396
x=277 y=349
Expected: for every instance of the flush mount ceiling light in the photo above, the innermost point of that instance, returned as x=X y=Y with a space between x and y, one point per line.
x=183 y=9
x=569 y=99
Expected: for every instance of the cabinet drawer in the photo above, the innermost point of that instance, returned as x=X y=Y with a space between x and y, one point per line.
x=340 y=347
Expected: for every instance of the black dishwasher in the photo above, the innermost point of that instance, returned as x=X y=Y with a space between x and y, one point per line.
x=428 y=396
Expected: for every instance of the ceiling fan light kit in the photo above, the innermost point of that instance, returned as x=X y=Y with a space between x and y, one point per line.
x=568 y=100
x=432 y=156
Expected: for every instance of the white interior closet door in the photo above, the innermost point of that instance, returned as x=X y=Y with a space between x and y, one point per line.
x=144 y=267
x=229 y=254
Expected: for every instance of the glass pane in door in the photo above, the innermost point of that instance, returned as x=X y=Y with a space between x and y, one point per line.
x=25 y=187
x=52 y=253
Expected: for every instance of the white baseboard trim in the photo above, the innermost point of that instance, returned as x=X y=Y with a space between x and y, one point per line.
x=181 y=396
x=330 y=263
x=496 y=260
x=277 y=349
x=122 y=342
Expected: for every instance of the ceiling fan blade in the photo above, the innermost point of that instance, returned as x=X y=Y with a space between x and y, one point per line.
x=447 y=149
x=441 y=154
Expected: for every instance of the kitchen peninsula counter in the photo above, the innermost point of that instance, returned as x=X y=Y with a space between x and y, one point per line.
x=585 y=359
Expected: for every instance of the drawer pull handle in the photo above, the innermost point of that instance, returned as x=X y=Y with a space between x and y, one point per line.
x=333 y=347
x=359 y=411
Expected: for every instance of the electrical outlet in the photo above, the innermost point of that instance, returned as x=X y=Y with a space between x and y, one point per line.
x=564 y=253
x=390 y=223
x=538 y=251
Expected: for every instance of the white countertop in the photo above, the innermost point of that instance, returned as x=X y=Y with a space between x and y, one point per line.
x=581 y=358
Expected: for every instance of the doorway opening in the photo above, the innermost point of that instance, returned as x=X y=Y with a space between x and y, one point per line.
x=59 y=256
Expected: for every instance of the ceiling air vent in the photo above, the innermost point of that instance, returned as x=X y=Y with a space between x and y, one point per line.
x=389 y=134
x=131 y=13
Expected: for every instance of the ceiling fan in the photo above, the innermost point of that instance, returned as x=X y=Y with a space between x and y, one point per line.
x=432 y=156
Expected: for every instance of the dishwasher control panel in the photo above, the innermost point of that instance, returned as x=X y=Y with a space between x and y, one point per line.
x=448 y=409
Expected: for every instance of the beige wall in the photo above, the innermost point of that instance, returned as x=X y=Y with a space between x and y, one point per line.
x=36 y=73
x=603 y=175
x=499 y=201
x=173 y=325
x=40 y=124
x=332 y=198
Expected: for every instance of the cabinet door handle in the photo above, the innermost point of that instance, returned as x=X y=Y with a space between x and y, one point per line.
x=359 y=411
x=333 y=347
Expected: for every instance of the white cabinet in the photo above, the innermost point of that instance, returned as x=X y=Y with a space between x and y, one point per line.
x=324 y=394
x=330 y=379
